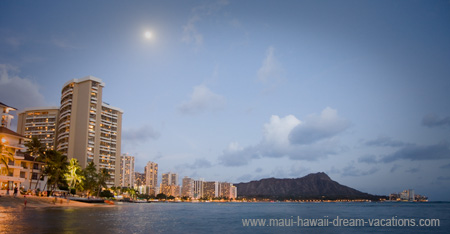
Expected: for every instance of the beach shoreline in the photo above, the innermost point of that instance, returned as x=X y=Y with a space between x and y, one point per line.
x=41 y=202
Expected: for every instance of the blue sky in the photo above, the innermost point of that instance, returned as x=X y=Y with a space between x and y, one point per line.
x=243 y=90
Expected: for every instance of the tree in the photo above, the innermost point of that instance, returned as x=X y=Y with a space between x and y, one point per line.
x=36 y=150
x=103 y=176
x=161 y=196
x=74 y=176
x=6 y=154
x=55 y=168
x=90 y=178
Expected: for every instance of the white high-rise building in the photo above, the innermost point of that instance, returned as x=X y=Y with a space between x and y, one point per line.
x=151 y=177
x=127 y=171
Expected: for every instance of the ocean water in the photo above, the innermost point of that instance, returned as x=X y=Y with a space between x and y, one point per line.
x=231 y=218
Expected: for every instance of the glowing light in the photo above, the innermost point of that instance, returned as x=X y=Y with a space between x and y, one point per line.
x=148 y=35
x=3 y=140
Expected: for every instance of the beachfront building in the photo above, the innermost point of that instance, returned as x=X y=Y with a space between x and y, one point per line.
x=151 y=178
x=227 y=190
x=169 y=185
x=198 y=188
x=127 y=171
x=233 y=192
x=89 y=129
x=139 y=183
x=187 y=187
x=18 y=170
x=40 y=123
x=6 y=117
x=210 y=189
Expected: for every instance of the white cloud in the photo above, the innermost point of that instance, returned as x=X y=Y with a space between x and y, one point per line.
x=16 y=91
x=139 y=135
x=190 y=32
x=271 y=72
x=276 y=141
x=202 y=99
x=316 y=128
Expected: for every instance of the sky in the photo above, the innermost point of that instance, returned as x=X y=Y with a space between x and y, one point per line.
x=243 y=90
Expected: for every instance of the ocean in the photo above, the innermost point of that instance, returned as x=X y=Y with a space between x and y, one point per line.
x=387 y=217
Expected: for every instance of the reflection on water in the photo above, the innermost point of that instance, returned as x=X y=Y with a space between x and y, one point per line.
x=212 y=217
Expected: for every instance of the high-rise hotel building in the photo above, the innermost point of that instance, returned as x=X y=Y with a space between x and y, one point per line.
x=127 y=171
x=86 y=128
x=40 y=123
x=151 y=177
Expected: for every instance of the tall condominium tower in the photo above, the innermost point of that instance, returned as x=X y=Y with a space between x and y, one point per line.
x=83 y=127
x=198 y=188
x=187 y=188
x=211 y=189
x=40 y=123
x=127 y=171
x=169 y=185
x=151 y=177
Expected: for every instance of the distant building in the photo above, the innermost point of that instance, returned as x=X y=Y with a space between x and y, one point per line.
x=6 y=117
x=233 y=192
x=225 y=190
x=169 y=185
x=139 y=179
x=407 y=195
x=198 y=189
x=210 y=189
x=151 y=177
x=40 y=123
x=187 y=188
x=127 y=171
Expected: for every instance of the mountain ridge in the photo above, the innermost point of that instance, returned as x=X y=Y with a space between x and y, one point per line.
x=312 y=186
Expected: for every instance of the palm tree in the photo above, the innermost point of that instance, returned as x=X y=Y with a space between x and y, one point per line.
x=74 y=176
x=56 y=167
x=6 y=154
x=103 y=176
x=36 y=150
x=90 y=178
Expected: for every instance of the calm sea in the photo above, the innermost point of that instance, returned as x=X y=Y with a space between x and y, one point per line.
x=231 y=218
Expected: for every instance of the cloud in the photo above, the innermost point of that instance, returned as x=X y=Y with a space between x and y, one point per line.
x=395 y=167
x=199 y=163
x=420 y=153
x=385 y=141
x=202 y=99
x=271 y=72
x=140 y=135
x=258 y=170
x=433 y=120
x=413 y=170
x=276 y=142
x=446 y=166
x=351 y=170
x=190 y=32
x=369 y=159
x=18 y=92
x=62 y=43
x=443 y=178
x=316 y=128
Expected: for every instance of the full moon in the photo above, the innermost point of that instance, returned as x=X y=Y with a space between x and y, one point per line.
x=148 y=35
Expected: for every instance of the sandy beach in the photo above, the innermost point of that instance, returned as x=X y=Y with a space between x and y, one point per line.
x=40 y=202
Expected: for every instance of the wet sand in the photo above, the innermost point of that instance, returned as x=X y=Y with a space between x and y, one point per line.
x=40 y=202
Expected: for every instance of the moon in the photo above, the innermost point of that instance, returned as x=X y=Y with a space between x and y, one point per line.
x=148 y=35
